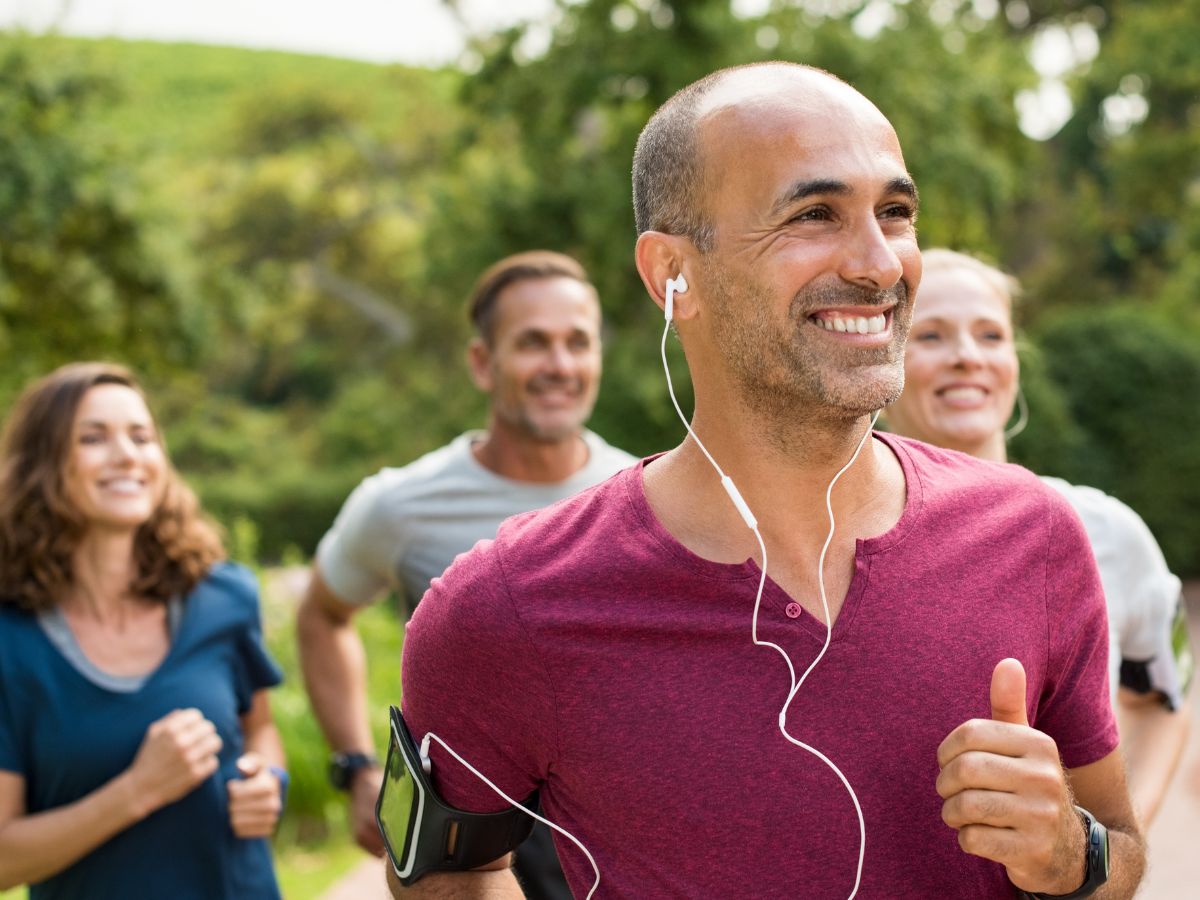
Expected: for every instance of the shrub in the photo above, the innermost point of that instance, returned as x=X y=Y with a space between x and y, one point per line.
x=1131 y=385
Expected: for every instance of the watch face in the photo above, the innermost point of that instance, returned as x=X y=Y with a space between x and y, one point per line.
x=339 y=774
x=401 y=802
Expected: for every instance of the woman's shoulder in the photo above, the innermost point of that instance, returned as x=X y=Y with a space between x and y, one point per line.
x=228 y=585
x=229 y=576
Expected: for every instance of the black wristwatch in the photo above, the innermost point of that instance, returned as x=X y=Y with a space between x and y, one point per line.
x=343 y=766
x=1095 y=871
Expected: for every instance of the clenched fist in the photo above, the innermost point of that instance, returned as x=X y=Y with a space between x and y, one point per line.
x=178 y=752
x=255 y=799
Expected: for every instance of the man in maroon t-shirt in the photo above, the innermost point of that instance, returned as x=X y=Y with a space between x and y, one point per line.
x=612 y=650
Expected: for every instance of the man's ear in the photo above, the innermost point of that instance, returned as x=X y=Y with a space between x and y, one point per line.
x=660 y=257
x=479 y=361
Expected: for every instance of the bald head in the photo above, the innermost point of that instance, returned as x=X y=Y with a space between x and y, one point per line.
x=669 y=181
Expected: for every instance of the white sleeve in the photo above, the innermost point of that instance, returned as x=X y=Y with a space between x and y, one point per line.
x=358 y=555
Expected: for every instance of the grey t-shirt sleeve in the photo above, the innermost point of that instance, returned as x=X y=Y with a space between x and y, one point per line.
x=358 y=555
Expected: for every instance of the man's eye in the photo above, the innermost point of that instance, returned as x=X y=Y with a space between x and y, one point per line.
x=899 y=211
x=813 y=214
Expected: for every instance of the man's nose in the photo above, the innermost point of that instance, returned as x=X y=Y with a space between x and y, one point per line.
x=870 y=259
x=559 y=359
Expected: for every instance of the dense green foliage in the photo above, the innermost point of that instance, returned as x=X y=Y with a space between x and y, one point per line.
x=282 y=244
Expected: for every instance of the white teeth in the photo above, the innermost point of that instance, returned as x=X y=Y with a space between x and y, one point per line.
x=123 y=485
x=854 y=324
x=965 y=392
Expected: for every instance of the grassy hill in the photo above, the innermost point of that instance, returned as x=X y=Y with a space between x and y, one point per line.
x=181 y=100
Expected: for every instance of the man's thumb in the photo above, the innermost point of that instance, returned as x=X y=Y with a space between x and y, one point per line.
x=1008 y=692
x=249 y=763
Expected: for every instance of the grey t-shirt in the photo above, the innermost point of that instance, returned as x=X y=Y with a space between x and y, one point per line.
x=401 y=528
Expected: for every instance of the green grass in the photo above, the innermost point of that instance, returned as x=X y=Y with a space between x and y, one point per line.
x=306 y=871
x=313 y=847
x=182 y=102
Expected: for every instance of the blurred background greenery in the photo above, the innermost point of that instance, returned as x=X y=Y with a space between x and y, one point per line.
x=282 y=244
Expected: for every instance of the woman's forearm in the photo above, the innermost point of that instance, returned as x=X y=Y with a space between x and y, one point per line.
x=1152 y=738
x=35 y=847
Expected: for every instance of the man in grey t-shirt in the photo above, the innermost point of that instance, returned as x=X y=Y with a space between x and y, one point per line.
x=536 y=354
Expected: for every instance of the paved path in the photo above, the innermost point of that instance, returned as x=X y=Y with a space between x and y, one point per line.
x=1174 y=851
x=365 y=882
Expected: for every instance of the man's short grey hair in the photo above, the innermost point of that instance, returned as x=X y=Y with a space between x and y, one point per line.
x=668 y=168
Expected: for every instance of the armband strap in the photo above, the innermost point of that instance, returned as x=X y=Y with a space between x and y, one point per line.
x=422 y=833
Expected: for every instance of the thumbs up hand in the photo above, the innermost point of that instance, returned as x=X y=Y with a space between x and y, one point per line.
x=1006 y=793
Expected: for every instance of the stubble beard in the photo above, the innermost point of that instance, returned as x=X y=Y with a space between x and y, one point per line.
x=794 y=376
x=549 y=432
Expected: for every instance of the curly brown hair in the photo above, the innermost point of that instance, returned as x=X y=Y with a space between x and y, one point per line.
x=39 y=526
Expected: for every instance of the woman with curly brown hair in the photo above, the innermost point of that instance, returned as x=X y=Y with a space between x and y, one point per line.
x=138 y=756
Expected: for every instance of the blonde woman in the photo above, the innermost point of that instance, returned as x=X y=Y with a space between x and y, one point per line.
x=961 y=384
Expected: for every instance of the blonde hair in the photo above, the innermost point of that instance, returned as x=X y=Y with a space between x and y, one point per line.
x=941 y=259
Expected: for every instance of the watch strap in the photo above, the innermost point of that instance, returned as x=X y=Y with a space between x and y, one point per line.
x=342 y=767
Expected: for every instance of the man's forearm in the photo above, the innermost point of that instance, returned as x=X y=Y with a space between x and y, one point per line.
x=498 y=884
x=1127 y=864
x=333 y=662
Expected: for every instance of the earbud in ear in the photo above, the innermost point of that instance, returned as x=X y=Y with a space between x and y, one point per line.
x=676 y=285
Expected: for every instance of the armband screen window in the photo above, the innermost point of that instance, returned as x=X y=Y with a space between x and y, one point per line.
x=422 y=833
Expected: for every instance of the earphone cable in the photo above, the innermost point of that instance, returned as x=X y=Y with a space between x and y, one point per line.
x=794 y=682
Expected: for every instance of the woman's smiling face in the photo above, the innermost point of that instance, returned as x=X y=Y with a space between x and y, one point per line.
x=960 y=365
x=116 y=470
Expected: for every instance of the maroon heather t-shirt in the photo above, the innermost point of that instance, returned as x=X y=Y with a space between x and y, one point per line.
x=586 y=652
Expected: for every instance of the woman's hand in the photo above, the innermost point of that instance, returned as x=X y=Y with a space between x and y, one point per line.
x=178 y=752
x=255 y=801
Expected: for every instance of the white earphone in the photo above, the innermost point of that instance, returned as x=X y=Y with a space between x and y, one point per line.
x=676 y=285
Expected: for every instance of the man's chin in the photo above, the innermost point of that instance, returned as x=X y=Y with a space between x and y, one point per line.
x=554 y=432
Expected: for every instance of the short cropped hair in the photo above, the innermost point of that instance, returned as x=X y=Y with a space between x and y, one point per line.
x=668 y=171
x=530 y=265
x=941 y=259
x=668 y=166
x=40 y=526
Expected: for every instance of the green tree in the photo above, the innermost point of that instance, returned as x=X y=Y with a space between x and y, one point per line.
x=90 y=266
x=1131 y=385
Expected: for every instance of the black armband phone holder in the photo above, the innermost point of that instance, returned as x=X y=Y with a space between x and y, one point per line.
x=422 y=833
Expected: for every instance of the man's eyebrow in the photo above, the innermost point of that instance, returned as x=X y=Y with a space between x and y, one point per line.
x=804 y=189
x=903 y=185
